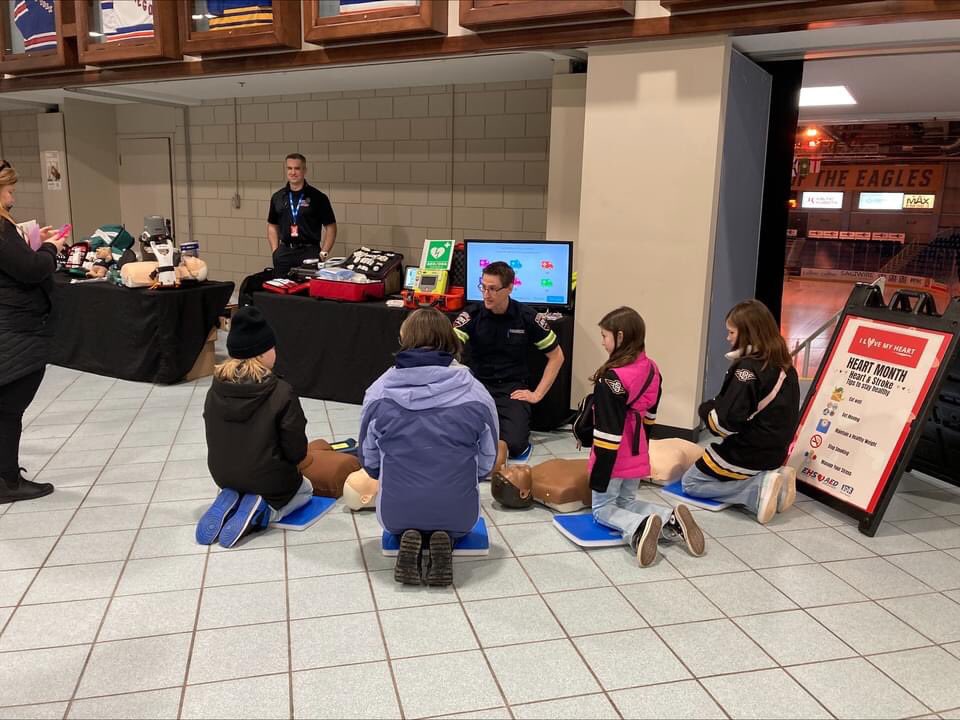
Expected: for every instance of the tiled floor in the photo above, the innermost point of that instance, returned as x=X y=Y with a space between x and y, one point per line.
x=109 y=609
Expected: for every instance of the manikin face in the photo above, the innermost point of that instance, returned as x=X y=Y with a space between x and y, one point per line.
x=295 y=172
x=732 y=335
x=608 y=340
x=6 y=196
x=269 y=358
x=360 y=490
x=496 y=297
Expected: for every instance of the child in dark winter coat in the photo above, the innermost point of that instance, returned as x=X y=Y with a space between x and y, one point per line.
x=756 y=415
x=626 y=395
x=256 y=437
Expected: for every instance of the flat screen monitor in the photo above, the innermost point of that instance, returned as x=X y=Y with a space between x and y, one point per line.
x=542 y=269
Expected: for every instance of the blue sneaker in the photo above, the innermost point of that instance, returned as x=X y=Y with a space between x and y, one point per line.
x=525 y=455
x=253 y=514
x=216 y=515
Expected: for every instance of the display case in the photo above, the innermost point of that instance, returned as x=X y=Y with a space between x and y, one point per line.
x=124 y=31
x=326 y=21
x=220 y=26
x=34 y=36
x=479 y=15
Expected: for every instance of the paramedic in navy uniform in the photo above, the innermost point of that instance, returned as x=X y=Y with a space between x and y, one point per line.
x=301 y=223
x=498 y=333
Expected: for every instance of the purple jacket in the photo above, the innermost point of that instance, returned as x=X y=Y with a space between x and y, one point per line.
x=428 y=432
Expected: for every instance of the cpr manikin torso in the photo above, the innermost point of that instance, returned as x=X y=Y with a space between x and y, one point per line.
x=564 y=485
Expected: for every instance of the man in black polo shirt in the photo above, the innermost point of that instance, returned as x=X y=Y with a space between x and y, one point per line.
x=500 y=332
x=300 y=223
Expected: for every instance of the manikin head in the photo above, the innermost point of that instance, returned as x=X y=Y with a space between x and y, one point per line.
x=496 y=284
x=360 y=491
x=512 y=486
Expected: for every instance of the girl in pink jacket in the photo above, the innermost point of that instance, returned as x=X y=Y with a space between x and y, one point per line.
x=626 y=395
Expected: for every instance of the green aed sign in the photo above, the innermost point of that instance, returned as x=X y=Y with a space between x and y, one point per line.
x=437 y=255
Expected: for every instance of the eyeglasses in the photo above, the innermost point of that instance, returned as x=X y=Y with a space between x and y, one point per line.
x=487 y=289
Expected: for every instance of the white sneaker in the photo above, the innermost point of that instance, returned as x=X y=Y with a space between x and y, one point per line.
x=788 y=492
x=769 y=495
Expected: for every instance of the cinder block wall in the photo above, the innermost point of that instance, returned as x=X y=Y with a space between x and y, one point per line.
x=399 y=165
x=20 y=146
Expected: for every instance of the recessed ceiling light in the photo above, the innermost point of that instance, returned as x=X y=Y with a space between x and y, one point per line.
x=826 y=95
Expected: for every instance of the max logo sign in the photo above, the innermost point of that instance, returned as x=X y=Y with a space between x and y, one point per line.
x=888 y=347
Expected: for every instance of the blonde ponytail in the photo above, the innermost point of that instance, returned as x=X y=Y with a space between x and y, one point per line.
x=8 y=176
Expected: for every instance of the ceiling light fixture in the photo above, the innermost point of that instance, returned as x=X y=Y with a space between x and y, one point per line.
x=826 y=95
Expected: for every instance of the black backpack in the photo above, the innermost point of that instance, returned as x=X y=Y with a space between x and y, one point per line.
x=252 y=284
x=585 y=419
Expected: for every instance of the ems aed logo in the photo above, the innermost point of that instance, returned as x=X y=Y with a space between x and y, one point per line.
x=887 y=346
x=437 y=252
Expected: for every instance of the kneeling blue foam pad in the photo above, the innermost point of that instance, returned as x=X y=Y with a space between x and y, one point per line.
x=476 y=542
x=675 y=491
x=581 y=529
x=304 y=517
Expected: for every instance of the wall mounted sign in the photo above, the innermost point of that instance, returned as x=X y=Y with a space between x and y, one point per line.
x=822 y=200
x=885 y=178
x=880 y=201
x=918 y=202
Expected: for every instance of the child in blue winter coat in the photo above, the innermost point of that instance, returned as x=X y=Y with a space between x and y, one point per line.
x=428 y=432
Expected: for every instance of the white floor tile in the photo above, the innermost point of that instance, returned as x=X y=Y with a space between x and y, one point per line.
x=764 y=694
x=714 y=647
x=445 y=684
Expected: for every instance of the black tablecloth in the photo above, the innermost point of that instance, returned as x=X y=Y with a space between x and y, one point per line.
x=334 y=351
x=133 y=334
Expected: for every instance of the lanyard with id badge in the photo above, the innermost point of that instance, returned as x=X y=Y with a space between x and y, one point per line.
x=294 y=212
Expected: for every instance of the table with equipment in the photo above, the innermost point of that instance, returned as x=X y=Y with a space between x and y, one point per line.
x=134 y=334
x=334 y=351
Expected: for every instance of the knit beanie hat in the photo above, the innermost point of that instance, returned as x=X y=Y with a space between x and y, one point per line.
x=250 y=335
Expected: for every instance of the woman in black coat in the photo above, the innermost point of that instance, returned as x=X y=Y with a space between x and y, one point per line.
x=26 y=284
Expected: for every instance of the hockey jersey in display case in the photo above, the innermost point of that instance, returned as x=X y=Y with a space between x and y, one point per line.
x=127 y=19
x=232 y=14
x=36 y=22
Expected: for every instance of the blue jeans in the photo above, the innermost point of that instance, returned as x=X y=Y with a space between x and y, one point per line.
x=736 y=492
x=619 y=508
x=296 y=502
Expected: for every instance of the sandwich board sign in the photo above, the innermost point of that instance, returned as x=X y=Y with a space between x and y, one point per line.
x=866 y=409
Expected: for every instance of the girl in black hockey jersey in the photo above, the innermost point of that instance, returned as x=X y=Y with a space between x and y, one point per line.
x=755 y=414
x=626 y=395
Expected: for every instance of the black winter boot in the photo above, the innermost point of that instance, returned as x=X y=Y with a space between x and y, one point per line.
x=22 y=489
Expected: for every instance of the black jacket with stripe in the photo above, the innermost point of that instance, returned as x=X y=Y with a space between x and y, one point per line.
x=619 y=420
x=756 y=414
